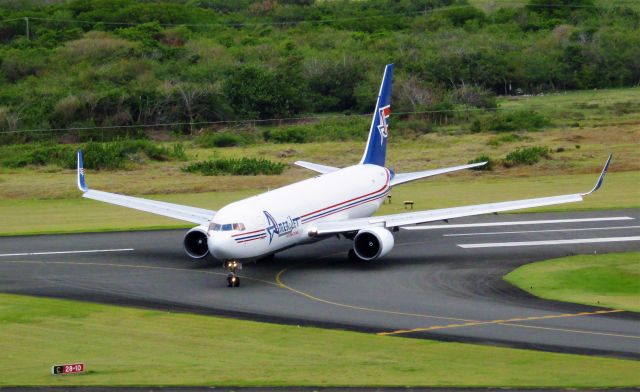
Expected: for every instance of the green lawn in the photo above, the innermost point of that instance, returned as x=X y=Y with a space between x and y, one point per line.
x=585 y=107
x=33 y=216
x=609 y=280
x=124 y=346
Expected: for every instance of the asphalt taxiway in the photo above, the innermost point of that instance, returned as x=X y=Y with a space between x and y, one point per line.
x=443 y=283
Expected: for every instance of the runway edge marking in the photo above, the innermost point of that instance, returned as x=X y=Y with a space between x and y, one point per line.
x=541 y=231
x=517 y=223
x=550 y=242
x=66 y=252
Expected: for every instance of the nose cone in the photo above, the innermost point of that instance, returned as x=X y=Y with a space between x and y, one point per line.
x=220 y=246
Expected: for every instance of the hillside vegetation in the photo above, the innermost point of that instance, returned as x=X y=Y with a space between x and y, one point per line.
x=114 y=63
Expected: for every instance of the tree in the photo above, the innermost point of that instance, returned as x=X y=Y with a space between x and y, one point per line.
x=259 y=93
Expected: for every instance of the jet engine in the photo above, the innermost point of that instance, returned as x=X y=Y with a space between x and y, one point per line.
x=372 y=243
x=195 y=242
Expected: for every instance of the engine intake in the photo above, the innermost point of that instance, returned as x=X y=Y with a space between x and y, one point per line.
x=370 y=244
x=195 y=243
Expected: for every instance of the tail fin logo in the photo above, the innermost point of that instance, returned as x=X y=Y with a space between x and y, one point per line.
x=383 y=128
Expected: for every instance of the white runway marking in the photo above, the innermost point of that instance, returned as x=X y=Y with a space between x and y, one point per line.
x=515 y=223
x=65 y=252
x=553 y=242
x=541 y=231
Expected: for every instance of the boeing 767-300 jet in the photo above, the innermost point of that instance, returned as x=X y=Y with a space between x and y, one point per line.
x=337 y=201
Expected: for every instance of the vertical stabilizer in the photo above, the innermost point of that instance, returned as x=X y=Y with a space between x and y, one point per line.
x=376 y=150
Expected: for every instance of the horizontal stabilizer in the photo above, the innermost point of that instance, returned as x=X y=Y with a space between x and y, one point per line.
x=322 y=169
x=401 y=178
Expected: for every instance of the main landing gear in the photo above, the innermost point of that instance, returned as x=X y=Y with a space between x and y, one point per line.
x=233 y=280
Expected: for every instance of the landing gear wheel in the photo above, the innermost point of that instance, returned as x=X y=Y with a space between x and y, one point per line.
x=233 y=280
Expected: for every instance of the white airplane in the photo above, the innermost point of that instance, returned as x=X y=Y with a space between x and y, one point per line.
x=337 y=201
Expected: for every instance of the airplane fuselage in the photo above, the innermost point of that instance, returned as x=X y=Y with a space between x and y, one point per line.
x=281 y=218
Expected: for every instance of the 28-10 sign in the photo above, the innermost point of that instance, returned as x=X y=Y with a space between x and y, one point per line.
x=68 y=368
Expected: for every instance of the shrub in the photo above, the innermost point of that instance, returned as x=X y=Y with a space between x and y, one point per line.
x=287 y=135
x=114 y=155
x=256 y=92
x=96 y=46
x=178 y=152
x=475 y=96
x=238 y=167
x=526 y=156
x=332 y=86
x=328 y=129
x=18 y=64
x=476 y=126
x=518 y=120
x=412 y=127
x=224 y=139
x=483 y=158
x=110 y=155
x=24 y=155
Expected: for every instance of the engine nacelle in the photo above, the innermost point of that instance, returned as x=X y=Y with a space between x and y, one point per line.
x=195 y=242
x=373 y=243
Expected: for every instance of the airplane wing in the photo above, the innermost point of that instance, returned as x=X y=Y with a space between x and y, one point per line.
x=412 y=218
x=322 y=169
x=401 y=178
x=176 y=211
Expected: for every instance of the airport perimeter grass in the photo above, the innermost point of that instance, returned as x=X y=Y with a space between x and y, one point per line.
x=609 y=280
x=124 y=346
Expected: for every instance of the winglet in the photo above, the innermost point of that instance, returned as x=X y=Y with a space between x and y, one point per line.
x=601 y=178
x=81 y=183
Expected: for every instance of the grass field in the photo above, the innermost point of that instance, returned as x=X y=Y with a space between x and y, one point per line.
x=123 y=346
x=428 y=151
x=609 y=280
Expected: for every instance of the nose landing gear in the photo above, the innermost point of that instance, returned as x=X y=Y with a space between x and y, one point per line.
x=233 y=280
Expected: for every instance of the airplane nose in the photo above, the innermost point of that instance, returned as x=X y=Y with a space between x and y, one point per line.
x=219 y=246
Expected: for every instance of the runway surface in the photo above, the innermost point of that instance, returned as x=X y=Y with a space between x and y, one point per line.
x=443 y=284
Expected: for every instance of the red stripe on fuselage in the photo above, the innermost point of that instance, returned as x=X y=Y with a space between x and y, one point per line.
x=348 y=208
x=251 y=232
x=253 y=239
x=355 y=198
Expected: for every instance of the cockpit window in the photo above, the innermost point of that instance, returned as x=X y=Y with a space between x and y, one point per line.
x=226 y=226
